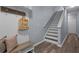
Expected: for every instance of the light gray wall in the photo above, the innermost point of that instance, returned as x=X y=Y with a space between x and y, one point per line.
x=40 y=16
x=9 y=25
x=72 y=22
x=75 y=16
x=77 y=24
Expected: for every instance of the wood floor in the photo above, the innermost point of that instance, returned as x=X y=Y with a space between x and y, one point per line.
x=71 y=45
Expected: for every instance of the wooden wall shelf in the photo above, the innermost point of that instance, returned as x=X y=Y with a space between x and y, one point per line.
x=23 y=24
x=12 y=11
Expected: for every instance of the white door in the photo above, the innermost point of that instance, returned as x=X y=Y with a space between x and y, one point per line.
x=71 y=23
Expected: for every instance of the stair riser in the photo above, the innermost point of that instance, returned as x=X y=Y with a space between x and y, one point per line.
x=52 y=29
x=51 y=39
x=51 y=35
x=56 y=38
x=52 y=32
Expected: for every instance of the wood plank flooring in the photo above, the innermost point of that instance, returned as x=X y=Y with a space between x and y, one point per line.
x=71 y=45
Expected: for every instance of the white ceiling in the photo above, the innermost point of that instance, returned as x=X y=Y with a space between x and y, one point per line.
x=73 y=9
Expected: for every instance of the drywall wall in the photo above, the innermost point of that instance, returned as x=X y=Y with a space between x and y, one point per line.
x=9 y=25
x=72 y=22
x=64 y=27
x=40 y=16
x=77 y=23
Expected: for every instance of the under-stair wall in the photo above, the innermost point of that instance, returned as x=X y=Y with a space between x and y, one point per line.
x=63 y=27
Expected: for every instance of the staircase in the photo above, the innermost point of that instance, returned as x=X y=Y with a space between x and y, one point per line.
x=52 y=34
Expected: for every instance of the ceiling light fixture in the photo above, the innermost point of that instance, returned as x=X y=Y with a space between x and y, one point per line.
x=72 y=6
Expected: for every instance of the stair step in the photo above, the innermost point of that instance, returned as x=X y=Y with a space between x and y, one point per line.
x=50 y=31
x=53 y=26
x=52 y=38
x=52 y=34
x=52 y=41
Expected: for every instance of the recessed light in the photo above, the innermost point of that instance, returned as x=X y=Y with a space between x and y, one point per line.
x=72 y=6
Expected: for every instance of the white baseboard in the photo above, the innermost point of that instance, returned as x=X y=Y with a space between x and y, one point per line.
x=63 y=40
x=38 y=43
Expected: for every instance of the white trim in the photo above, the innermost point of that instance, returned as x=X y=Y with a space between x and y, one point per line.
x=29 y=50
x=63 y=40
x=52 y=42
x=26 y=50
x=38 y=43
x=59 y=35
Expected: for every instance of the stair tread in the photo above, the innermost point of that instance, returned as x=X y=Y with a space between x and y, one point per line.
x=51 y=39
x=54 y=41
x=56 y=38
x=53 y=34
x=50 y=31
x=53 y=26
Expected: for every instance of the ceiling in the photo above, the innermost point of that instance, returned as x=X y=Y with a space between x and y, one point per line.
x=73 y=9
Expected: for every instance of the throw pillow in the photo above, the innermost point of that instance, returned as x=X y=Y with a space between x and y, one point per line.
x=11 y=43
